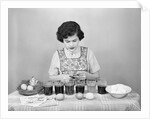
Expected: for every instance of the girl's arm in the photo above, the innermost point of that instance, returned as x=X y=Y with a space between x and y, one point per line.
x=61 y=77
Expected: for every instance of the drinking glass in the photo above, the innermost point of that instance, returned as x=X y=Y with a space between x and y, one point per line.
x=91 y=86
x=48 y=88
x=59 y=87
x=80 y=86
x=69 y=87
x=101 y=84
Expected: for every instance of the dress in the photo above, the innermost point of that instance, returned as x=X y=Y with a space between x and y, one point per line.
x=65 y=63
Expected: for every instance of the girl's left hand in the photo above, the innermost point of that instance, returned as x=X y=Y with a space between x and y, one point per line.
x=82 y=75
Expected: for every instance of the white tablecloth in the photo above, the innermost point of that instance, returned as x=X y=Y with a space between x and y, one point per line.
x=101 y=102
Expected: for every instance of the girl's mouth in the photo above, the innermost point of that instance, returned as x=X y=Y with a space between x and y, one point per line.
x=72 y=48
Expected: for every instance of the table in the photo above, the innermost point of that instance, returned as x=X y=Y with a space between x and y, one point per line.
x=101 y=102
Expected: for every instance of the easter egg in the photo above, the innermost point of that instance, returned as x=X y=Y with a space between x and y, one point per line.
x=89 y=96
x=79 y=96
x=59 y=96
x=23 y=86
x=30 y=87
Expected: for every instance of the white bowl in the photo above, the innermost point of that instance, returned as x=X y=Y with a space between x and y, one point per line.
x=118 y=90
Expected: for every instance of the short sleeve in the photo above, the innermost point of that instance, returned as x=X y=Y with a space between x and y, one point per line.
x=55 y=65
x=93 y=65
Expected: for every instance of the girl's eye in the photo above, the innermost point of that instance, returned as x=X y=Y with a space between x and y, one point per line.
x=67 y=41
x=74 y=40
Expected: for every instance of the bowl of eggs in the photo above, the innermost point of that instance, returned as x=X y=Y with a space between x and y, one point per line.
x=118 y=90
x=30 y=87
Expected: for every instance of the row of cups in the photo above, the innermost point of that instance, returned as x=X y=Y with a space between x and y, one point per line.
x=72 y=87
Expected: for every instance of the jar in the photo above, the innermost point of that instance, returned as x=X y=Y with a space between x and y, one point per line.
x=80 y=86
x=69 y=87
x=101 y=85
x=48 y=88
x=91 y=86
x=59 y=87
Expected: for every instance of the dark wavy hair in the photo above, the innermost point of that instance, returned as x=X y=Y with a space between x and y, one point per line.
x=67 y=29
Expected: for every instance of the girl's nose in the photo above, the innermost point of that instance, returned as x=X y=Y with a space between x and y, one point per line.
x=71 y=43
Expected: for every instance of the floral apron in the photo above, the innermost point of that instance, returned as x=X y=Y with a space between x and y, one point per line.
x=72 y=65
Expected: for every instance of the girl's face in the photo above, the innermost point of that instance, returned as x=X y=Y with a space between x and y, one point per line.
x=71 y=43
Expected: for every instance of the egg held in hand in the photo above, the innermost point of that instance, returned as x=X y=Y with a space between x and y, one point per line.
x=79 y=96
x=29 y=87
x=23 y=86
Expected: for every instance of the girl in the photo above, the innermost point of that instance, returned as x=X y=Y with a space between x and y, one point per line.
x=73 y=59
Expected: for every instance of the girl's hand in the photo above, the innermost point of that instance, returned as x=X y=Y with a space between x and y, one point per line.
x=82 y=75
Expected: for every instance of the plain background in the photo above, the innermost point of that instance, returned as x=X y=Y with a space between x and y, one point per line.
x=114 y=35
